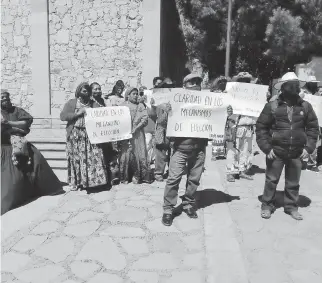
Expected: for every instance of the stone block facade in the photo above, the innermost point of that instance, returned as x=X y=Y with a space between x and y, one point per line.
x=16 y=52
x=89 y=40
x=98 y=40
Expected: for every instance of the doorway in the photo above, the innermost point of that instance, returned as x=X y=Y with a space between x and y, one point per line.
x=173 y=48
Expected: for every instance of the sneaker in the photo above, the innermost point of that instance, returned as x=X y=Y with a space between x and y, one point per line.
x=295 y=214
x=167 y=219
x=135 y=181
x=266 y=213
x=158 y=178
x=230 y=178
x=245 y=176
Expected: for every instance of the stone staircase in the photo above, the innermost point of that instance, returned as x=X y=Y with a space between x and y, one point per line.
x=49 y=136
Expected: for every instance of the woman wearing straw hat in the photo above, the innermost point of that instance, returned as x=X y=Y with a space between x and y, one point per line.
x=286 y=131
x=239 y=135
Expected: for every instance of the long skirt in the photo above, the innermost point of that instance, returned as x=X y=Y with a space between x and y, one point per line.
x=23 y=183
x=134 y=159
x=86 y=164
x=239 y=157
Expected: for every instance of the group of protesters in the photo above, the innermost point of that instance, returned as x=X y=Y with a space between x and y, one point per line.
x=286 y=131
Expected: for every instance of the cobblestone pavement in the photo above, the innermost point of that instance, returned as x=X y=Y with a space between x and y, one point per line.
x=279 y=250
x=117 y=237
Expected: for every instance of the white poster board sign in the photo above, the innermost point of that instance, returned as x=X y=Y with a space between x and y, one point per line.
x=247 y=99
x=107 y=124
x=316 y=102
x=195 y=114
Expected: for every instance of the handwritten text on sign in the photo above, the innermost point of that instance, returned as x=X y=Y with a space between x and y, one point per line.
x=247 y=99
x=178 y=97
x=108 y=124
x=194 y=113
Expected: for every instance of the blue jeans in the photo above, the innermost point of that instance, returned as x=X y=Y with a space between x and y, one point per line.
x=274 y=170
x=194 y=162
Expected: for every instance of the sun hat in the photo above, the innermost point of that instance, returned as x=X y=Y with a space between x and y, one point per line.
x=243 y=75
x=312 y=79
x=167 y=82
x=288 y=77
x=191 y=77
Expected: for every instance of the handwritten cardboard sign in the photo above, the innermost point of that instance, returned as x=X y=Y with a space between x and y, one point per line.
x=198 y=114
x=247 y=99
x=107 y=124
x=316 y=102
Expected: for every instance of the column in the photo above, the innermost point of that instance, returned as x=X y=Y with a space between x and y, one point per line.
x=40 y=58
x=151 y=40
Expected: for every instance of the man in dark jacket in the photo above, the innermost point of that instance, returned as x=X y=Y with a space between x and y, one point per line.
x=187 y=153
x=286 y=131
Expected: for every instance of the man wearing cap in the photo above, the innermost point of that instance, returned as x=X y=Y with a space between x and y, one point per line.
x=286 y=131
x=187 y=153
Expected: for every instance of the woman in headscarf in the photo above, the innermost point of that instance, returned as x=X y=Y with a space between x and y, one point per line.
x=96 y=91
x=31 y=177
x=115 y=98
x=218 y=145
x=133 y=156
x=109 y=148
x=86 y=165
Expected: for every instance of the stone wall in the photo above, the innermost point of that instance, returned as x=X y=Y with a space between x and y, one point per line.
x=93 y=40
x=16 y=51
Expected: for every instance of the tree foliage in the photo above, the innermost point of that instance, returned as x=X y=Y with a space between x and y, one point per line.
x=267 y=37
x=284 y=35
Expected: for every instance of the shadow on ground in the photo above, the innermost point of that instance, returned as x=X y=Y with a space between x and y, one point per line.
x=34 y=198
x=303 y=201
x=97 y=189
x=209 y=197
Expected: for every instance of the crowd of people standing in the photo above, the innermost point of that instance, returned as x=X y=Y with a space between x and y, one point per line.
x=104 y=165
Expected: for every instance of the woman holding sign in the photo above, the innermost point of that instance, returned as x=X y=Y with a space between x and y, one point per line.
x=85 y=161
x=239 y=140
x=109 y=149
x=134 y=157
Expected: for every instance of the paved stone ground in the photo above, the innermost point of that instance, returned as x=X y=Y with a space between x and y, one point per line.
x=279 y=250
x=117 y=236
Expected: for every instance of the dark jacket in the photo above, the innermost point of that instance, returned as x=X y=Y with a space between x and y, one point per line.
x=68 y=114
x=287 y=136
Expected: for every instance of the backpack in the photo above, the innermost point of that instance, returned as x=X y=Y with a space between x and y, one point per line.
x=305 y=105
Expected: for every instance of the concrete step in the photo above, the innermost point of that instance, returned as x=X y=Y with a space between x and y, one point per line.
x=47 y=135
x=57 y=164
x=54 y=155
x=61 y=174
x=61 y=146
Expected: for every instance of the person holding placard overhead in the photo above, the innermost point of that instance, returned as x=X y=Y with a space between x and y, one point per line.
x=187 y=153
x=239 y=134
x=86 y=164
x=286 y=131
